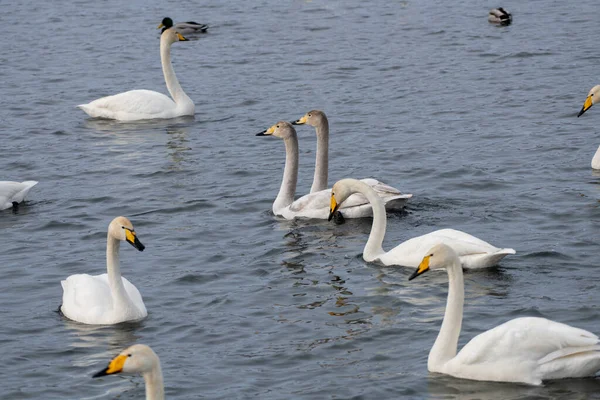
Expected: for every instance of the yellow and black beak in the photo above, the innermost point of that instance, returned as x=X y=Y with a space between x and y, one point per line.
x=132 y=239
x=268 y=132
x=586 y=106
x=422 y=268
x=161 y=26
x=114 y=367
x=301 y=121
x=333 y=207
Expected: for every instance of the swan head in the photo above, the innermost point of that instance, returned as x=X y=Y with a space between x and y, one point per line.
x=312 y=118
x=136 y=359
x=439 y=256
x=166 y=23
x=282 y=129
x=591 y=99
x=122 y=229
x=340 y=191
x=170 y=35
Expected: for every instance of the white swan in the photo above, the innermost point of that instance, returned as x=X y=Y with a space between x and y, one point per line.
x=315 y=205
x=146 y=104
x=473 y=252
x=319 y=121
x=139 y=359
x=12 y=193
x=107 y=298
x=499 y=16
x=185 y=28
x=590 y=100
x=527 y=350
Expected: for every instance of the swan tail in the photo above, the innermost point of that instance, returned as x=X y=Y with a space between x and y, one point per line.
x=396 y=202
x=20 y=196
x=484 y=260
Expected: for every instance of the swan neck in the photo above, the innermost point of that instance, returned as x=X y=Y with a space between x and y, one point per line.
x=155 y=389
x=322 y=162
x=446 y=344
x=287 y=191
x=113 y=270
x=596 y=159
x=171 y=80
x=373 y=249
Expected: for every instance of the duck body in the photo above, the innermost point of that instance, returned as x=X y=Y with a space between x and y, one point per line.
x=185 y=28
x=136 y=105
x=499 y=16
x=523 y=350
x=12 y=193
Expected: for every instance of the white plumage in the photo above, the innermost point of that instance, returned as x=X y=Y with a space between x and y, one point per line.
x=14 y=192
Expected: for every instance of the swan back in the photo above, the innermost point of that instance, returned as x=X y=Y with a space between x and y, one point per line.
x=590 y=100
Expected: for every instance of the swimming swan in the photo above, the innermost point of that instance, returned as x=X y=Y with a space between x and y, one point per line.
x=319 y=121
x=138 y=359
x=185 y=28
x=314 y=205
x=527 y=350
x=499 y=16
x=12 y=193
x=146 y=104
x=590 y=100
x=106 y=298
x=473 y=252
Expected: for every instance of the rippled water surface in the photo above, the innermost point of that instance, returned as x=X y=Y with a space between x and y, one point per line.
x=477 y=121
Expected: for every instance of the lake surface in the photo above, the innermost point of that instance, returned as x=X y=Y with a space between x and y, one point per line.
x=477 y=121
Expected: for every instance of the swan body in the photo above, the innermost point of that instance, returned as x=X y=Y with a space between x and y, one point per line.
x=499 y=16
x=316 y=204
x=525 y=350
x=319 y=121
x=107 y=298
x=137 y=105
x=185 y=28
x=473 y=253
x=138 y=359
x=12 y=193
x=590 y=100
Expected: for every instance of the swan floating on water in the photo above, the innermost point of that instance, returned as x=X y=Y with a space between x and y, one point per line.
x=107 y=298
x=474 y=253
x=526 y=350
x=499 y=16
x=319 y=121
x=185 y=28
x=316 y=205
x=12 y=193
x=136 y=105
x=590 y=100
x=138 y=359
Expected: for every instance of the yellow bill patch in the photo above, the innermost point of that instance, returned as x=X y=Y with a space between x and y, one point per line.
x=588 y=103
x=302 y=120
x=130 y=236
x=271 y=130
x=424 y=266
x=116 y=365
x=333 y=204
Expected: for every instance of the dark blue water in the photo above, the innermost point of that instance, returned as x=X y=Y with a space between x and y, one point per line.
x=477 y=121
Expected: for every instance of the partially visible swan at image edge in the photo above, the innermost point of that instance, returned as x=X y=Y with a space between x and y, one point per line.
x=315 y=205
x=319 y=121
x=590 y=100
x=499 y=16
x=13 y=193
x=108 y=298
x=474 y=253
x=185 y=28
x=525 y=350
x=138 y=359
x=137 y=105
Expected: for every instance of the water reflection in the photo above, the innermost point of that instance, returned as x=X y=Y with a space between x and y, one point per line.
x=110 y=125
x=177 y=146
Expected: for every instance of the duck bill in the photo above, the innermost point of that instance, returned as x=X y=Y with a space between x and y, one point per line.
x=421 y=269
x=160 y=26
x=586 y=106
x=114 y=367
x=333 y=207
x=132 y=239
x=301 y=121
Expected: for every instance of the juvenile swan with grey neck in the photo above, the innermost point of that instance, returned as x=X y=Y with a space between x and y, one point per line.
x=524 y=350
x=314 y=205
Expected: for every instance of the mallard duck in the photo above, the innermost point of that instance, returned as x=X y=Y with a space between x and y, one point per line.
x=185 y=28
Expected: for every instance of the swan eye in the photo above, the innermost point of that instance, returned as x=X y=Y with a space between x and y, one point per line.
x=277 y=126
x=309 y=115
x=129 y=355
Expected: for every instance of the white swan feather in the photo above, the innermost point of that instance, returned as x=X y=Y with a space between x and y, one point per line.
x=592 y=98
x=14 y=192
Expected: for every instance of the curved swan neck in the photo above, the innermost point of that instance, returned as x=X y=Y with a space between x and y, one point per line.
x=155 y=389
x=446 y=344
x=287 y=191
x=373 y=248
x=113 y=270
x=322 y=162
x=171 y=80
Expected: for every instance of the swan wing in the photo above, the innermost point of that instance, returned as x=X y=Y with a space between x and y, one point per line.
x=86 y=298
x=14 y=192
x=134 y=104
x=135 y=296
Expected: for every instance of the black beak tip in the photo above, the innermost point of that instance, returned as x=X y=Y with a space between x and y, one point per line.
x=330 y=216
x=580 y=113
x=414 y=275
x=100 y=373
x=261 y=133
x=294 y=122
